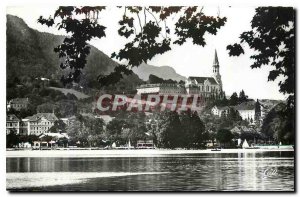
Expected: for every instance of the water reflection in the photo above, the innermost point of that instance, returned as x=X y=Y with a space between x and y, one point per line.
x=219 y=172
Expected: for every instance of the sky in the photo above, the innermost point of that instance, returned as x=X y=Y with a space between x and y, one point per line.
x=188 y=59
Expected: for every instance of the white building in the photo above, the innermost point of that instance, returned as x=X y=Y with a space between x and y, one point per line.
x=37 y=124
x=247 y=111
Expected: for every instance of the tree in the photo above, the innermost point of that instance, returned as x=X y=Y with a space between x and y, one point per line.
x=77 y=132
x=257 y=112
x=151 y=36
x=234 y=99
x=58 y=127
x=193 y=130
x=169 y=133
x=273 y=40
x=114 y=131
x=12 y=138
x=242 y=97
x=276 y=127
x=155 y=79
x=136 y=127
x=224 y=136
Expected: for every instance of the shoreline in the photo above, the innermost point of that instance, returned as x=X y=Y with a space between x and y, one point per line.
x=128 y=153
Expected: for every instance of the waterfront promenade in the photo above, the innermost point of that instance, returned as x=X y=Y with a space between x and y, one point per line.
x=127 y=153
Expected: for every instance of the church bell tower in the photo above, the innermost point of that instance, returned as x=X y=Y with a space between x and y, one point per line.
x=216 y=71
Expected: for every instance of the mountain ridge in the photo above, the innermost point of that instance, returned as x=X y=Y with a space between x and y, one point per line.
x=30 y=54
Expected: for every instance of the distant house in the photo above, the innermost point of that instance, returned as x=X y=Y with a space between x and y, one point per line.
x=18 y=104
x=218 y=111
x=12 y=124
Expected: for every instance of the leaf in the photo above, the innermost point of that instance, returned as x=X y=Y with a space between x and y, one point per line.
x=235 y=50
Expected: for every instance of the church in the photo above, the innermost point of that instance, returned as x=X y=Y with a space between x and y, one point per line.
x=205 y=86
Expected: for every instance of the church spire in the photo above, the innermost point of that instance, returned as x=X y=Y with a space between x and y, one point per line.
x=216 y=65
x=216 y=71
x=216 y=61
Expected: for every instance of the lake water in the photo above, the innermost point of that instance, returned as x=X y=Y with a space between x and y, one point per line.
x=261 y=171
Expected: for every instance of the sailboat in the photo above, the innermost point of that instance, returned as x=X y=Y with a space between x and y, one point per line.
x=245 y=144
x=129 y=144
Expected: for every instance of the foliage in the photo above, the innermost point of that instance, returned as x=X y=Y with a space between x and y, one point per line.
x=242 y=97
x=168 y=133
x=257 y=111
x=155 y=79
x=234 y=99
x=273 y=40
x=193 y=130
x=152 y=37
x=224 y=136
x=276 y=127
x=114 y=131
x=86 y=131
x=74 y=49
x=58 y=127
x=230 y=120
x=12 y=139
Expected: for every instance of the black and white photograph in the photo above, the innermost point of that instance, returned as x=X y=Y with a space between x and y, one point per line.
x=150 y=98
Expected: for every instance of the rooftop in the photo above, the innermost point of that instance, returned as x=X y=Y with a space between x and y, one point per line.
x=153 y=85
x=48 y=116
x=19 y=100
x=12 y=117
x=246 y=106
x=202 y=79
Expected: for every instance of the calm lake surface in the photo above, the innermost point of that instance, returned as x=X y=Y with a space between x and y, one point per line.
x=261 y=171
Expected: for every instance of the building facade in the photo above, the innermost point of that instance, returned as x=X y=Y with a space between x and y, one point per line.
x=38 y=123
x=246 y=111
x=161 y=89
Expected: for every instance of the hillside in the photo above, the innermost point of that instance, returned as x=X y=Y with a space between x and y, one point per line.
x=66 y=91
x=165 y=72
x=30 y=55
